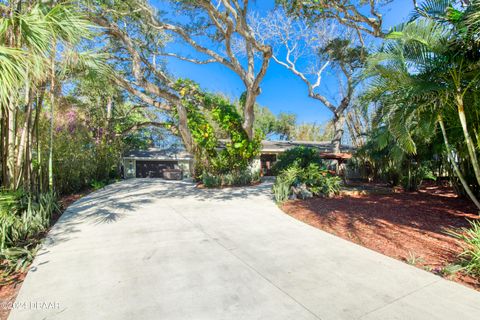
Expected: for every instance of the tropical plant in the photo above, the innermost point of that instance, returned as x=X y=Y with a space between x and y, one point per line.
x=304 y=179
x=424 y=82
x=97 y=185
x=242 y=178
x=211 y=181
x=33 y=31
x=470 y=238
x=285 y=180
x=23 y=218
x=281 y=189
x=204 y=109
x=320 y=181
x=393 y=165
x=301 y=156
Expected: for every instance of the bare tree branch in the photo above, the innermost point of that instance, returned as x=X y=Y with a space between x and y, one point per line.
x=145 y=124
x=177 y=56
x=229 y=19
x=296 y=39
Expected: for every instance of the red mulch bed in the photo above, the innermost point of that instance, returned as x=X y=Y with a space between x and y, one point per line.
x=9 y=287
x=400 y=225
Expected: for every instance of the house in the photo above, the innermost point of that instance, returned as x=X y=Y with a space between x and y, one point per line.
x=152 y=162
x=272 y=149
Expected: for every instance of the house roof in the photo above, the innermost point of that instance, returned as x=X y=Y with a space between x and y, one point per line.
x=325 y=147
x=158 y=154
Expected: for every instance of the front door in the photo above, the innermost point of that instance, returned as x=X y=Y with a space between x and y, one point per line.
x=267 y=161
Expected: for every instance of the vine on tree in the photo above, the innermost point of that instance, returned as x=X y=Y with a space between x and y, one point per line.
x=210 y=156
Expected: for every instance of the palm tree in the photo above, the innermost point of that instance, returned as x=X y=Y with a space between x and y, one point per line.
x=32 y=36
x=426 y=70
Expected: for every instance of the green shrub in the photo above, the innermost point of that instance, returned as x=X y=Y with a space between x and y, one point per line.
x=241 y=178
x=217 y=117
x=211 y=181
x=413 y=178
x=284 y=182
x=331 y=185
x=471 y=247
x=96 y=185
x=23 y=218
x=299 y=156
x=281 y=189
x=312 y=179
x=13 y=202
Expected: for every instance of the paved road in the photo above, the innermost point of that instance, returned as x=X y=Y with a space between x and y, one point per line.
x=150 y=249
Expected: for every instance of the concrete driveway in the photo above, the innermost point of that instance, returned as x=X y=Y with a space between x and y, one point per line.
x=150 y=249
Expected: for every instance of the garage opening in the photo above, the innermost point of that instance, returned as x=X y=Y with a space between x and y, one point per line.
x=152 y=168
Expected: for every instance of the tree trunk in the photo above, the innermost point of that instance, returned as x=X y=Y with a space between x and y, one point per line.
x=11 y=127
x=338 y=125
x=183 y=128
x=249 y=112
x=22 y=149
x=3 y=145
x=23 y=145
x=108 y=120
x=468 y=140
x=36 y=129
x=455 y=166
x=52 y=107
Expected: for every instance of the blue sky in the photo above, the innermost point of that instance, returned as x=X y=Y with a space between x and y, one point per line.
x=281 y=90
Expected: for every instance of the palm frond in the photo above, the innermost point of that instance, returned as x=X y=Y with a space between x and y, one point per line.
x=67 y=23
x=13 y=71
x=89 y=63
x=432 y=9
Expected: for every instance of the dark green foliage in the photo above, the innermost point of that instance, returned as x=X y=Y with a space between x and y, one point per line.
x=390 y=163
x=267 y=124
x=319 y=181
x=301 y=156
x=238 y=151
x=425 y=76
x=342 y=52
x=415 y=174
x=311 y=179
x=241 y=178
x=97 y=185
x=362 y=16
x=284 y=182
x=211 y=181
x=303 y=170
x=23 y=219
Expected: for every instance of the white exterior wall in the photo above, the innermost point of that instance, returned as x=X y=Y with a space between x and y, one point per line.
x=186 y=166
x=129 y=166
x=256 y=165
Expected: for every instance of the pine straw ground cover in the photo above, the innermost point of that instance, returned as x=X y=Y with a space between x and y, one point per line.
x=412 y=227
x=10 y=286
